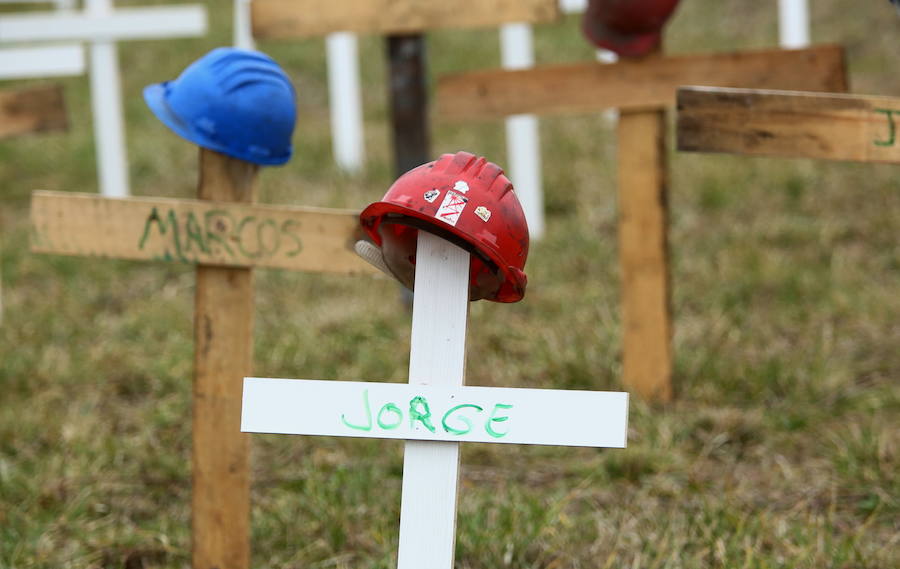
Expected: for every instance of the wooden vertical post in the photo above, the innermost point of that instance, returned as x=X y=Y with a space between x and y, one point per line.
x=643 y=252
x=409 y=101
x=437 y=357
x=223 y=330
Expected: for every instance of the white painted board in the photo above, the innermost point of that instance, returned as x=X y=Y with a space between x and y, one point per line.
x=461 y=414
x=121 y=24
x=45 y=61
x=437 y=357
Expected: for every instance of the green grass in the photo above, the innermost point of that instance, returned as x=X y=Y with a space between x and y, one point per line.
x=781 y=450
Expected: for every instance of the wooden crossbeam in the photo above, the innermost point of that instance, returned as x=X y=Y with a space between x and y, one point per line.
x=633 y=84
x=783 y=123
x=32 y=109
x=309 y=18
x=194 y=231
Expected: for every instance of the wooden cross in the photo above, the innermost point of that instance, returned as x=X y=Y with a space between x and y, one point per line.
x=826 y=126
x=403 y=21
x=226 y=235
x=434 y=412
x=641 y=89
x=102 y=26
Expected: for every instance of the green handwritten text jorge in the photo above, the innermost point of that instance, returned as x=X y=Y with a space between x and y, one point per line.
x=456 y=421
x=188 y=235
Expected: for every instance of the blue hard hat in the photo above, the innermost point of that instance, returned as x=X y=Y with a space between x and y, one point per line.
x=234 y=101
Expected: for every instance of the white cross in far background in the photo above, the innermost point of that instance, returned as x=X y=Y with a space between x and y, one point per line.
x=102 y=26
x=434 y=411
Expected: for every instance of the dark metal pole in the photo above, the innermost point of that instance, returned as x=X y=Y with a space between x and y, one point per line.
x=409 y=101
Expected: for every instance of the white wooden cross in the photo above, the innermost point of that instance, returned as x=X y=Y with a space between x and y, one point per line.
x=102 y=26
x=434 y=411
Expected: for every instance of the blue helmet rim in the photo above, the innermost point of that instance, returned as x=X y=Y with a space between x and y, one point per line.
x=155 y=97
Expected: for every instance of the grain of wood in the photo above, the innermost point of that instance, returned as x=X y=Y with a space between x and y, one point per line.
x=633 y=84
x=307 y=18
x=195 y=231
x=223 y=356
x=32 y=109
x=783 y=123
x=643 y=254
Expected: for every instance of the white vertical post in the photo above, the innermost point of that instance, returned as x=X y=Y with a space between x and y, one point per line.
x=106 y=103
x=569 y=6
x=437 y=357
x=607 y=56
x=243 y=33
x=793 y=23
x=345 y=102
x=522 y=139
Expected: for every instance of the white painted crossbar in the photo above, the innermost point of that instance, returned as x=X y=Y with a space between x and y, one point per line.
x=44 y=61
x=121 y=24
x=465 y=414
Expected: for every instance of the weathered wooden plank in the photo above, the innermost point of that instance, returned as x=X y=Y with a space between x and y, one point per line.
x=192 y=231
x=633 y=84
x=223 y=355
x=783 y=123
x=32 y=109
x=306 y=18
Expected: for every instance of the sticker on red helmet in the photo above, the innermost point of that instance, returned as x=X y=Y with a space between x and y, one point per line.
x=461 y=186
x=451 y=208
x=431 y=195
x=483 y=212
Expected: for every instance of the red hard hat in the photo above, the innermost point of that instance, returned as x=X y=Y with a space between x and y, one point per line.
x=627 y=27
x=466 y=200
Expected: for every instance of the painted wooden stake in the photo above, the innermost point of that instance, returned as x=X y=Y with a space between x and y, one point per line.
x=437 y=369
x=437 y=357
x=825 y=126
x=102 y=27
x=345 y=101
x=643 y=254
x=44 y=61
x=522 y=139
x=223 y=355
x=793 y=23
x=106 y=104
x=640 y=89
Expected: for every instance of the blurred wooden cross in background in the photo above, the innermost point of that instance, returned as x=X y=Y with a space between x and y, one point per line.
x=403 y=22
x=226 y=235
x=641 y=89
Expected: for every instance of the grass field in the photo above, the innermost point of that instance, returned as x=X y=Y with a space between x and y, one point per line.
x=781 y=449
